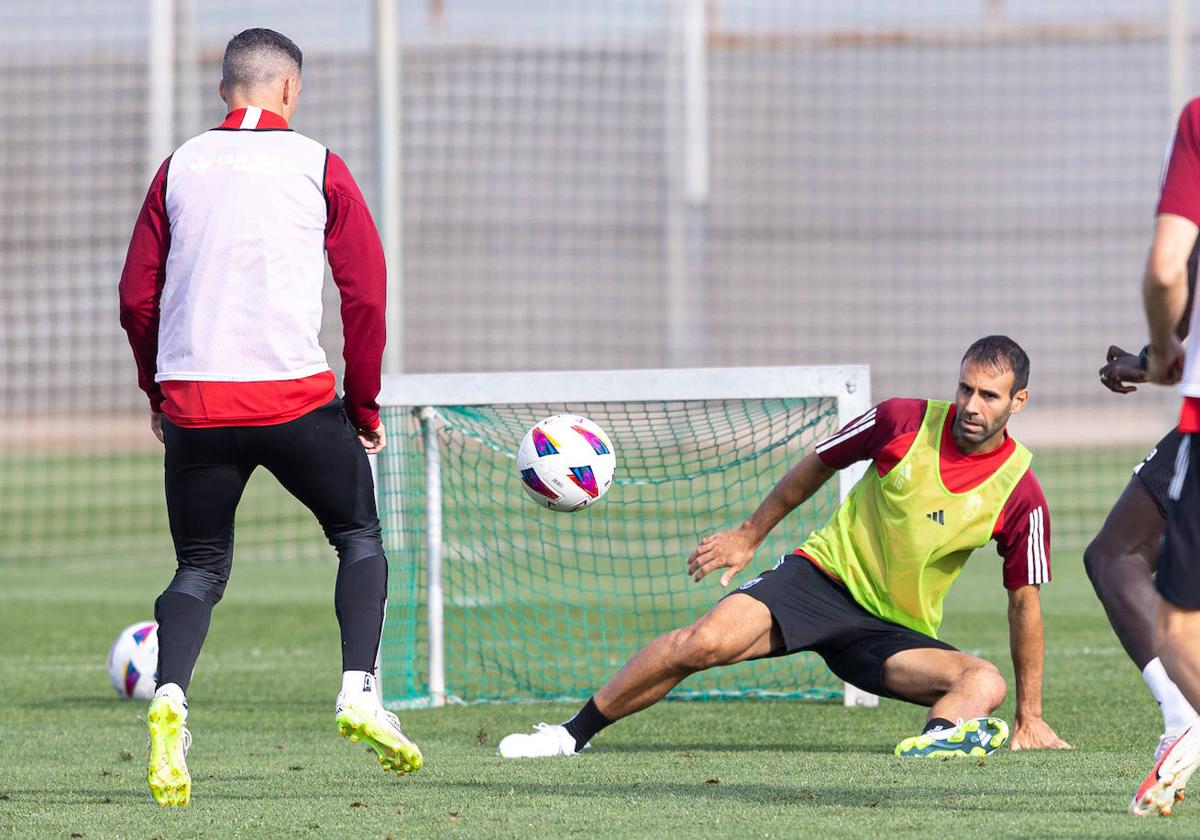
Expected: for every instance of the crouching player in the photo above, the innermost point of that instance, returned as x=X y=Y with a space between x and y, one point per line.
x=865 y=591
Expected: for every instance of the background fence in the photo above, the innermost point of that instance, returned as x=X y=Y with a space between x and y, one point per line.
x=610 y=183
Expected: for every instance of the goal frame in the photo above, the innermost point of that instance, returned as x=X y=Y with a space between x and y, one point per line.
x=426 y=393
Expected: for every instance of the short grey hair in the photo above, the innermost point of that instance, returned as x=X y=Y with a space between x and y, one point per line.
x=255 y=58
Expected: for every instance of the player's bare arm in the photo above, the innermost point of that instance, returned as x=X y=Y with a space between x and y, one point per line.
x=732 y=550
x=1028 y=645
x=1164 y=292
x=1122 y=367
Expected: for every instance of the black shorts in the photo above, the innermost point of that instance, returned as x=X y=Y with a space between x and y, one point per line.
x=815 y=612
x=1157 y=469
x=317 y=457
x=1178 y=578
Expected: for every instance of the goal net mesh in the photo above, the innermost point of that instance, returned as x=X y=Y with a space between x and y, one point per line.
x=542 y=605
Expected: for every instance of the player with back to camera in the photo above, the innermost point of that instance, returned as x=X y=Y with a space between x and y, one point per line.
x=866 y=590
x=221 y=300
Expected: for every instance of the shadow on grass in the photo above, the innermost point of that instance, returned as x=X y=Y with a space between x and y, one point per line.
x=125 y=796
x=222 y=706
x=109 y=701
x=845 y=747
x=82 y=796
x=1004 y=800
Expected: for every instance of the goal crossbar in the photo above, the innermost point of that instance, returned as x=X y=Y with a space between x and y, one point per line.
x=850 y=382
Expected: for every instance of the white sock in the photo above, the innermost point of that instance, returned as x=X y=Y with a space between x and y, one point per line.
x=360 y=685
x=173 y=691
x=1176 y=710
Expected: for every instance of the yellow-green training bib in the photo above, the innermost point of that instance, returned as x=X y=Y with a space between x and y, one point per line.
x=898 y=541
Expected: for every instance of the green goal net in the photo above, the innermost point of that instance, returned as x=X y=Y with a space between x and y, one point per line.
x=493 y=598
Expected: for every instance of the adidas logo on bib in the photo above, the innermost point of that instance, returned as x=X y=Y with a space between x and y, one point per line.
x=938 y=516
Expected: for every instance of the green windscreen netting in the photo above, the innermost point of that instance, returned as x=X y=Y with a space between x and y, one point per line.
x=545 y=605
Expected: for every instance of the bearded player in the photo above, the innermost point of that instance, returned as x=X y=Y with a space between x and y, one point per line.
x=865 y=591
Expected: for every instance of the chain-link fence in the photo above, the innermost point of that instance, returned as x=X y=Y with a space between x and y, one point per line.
x=612 y=183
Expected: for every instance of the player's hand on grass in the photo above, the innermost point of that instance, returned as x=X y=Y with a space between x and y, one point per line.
x=730 y=550
x=373 y=440
x=1122 y=367
x=156 y=421
x=1035 y=734
x=1166 y=363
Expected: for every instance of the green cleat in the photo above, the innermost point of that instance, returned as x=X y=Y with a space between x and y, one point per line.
x=971 y=738
x=379 y=729
x=170 y=782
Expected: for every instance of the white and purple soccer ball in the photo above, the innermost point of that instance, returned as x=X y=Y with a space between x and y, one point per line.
x=566 y=462
x=133 y=661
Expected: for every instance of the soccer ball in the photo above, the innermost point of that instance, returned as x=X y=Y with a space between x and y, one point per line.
x=133 y=661
x=566 y=462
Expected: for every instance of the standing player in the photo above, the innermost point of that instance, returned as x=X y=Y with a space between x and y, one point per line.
x=1121 y=560
x=1164 y=290
x=221 y=299
x=866 y=590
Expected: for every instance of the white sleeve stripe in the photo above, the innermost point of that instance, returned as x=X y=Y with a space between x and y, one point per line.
x=860 y=425
x=843 y=437
x=1042 y=542
x=1043 y=576
x=1037 y=564
x=1175 y=489
x=1029 y=553
x=854 y=424
x=1034 y=543
x=1040 y=547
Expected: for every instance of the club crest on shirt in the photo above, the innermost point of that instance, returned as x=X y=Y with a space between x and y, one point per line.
x=972 y=507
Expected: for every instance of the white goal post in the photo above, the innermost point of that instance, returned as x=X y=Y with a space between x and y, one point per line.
x=426 y=394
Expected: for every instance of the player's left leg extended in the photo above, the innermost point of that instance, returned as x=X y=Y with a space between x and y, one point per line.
x=737 y=628
x=319 y=460
x=961 y=690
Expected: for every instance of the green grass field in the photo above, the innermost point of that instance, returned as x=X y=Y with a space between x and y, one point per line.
x=266 y=761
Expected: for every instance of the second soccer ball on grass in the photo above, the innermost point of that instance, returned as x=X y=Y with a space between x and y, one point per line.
x=133 y=661
x=566 y=462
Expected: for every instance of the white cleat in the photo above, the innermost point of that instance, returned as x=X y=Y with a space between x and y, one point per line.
x=1164 y=743
x=546 y=740
x=1164 y=785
